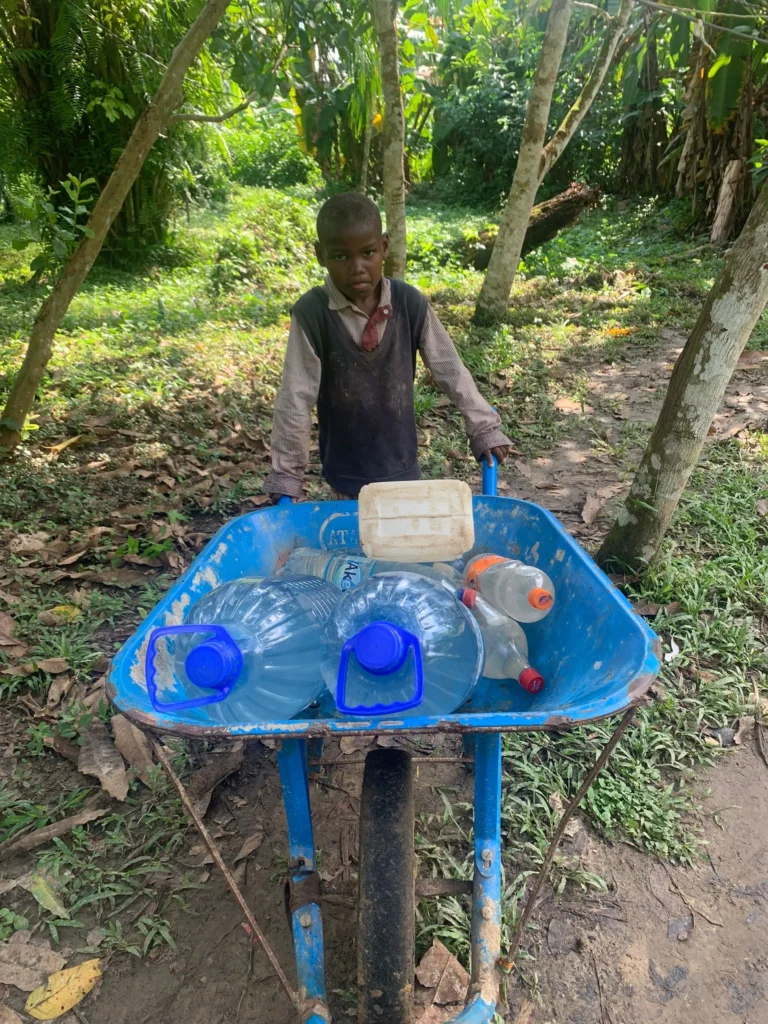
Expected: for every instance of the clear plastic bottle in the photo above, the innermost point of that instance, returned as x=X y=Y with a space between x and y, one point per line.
x=347 y=568
x=504 y=643
x=521 y=591
x=389 y=634
x=255 y=655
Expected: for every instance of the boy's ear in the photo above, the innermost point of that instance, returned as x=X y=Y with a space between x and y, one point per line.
x=385 y=244
x=319 y=254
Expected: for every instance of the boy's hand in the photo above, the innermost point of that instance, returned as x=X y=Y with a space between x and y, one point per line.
x=501 y=452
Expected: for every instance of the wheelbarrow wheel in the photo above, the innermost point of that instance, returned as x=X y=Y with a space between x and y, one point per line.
x=385 y=906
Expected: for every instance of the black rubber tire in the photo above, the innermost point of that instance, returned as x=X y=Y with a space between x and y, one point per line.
x=386 y=901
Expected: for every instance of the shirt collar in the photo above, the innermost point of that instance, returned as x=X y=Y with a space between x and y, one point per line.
x=337 y=300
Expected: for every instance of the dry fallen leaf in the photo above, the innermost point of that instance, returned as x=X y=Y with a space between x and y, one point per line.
x=202 y=784
x=761 y=508
x=7 y=630
x=59 y=615
x=53 y=665
x=28 y=543
x=592 y=507
x=58 y=690
x=99 y=757
x=134 y=746
x=45 y=890
x=63 y=990
x=9 y=1016
x=648 y=609
x=71 y=559
x=25 y=966
x=56 y=449
x=745 y=726
x=440 y=971
x=251 y=845
x=353 y=744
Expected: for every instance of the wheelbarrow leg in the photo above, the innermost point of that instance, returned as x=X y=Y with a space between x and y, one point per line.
x=304 y=883
x=486 y=896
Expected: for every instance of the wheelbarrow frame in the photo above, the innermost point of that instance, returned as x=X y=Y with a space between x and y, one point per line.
x=482 y=738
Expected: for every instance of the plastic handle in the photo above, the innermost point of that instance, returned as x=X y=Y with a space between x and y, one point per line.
x=491 y=477
x=285 y=500
x=410 y=642
x=219 y=633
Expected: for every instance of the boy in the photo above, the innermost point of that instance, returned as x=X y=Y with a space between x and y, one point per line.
x=352 y=351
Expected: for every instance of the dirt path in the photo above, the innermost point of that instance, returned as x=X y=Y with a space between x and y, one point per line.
x=605 y=960
x=625 y=937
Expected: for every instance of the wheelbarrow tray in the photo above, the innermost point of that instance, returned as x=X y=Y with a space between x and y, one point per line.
x=596 y=654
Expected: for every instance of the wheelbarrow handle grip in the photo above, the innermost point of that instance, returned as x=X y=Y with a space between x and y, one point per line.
x=490 y=476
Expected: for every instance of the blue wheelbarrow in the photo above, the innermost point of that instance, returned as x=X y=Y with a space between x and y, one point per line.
x=598 y=656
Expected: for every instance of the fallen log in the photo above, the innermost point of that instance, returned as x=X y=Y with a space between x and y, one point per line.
x=561 y=211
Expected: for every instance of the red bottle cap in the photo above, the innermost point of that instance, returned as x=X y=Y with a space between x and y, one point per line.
x=468 y=597
x=530 y=680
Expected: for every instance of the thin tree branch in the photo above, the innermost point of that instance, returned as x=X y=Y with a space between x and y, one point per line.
x=594 y=9
x=666 y=9
x=216 y=118
x=554 y=148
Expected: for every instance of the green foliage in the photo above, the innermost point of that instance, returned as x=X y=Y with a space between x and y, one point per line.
x=236 y=262
x=55 y=229
x=265 y=151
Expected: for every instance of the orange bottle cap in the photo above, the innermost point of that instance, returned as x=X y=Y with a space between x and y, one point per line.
x=540 y=599
x=480 y=564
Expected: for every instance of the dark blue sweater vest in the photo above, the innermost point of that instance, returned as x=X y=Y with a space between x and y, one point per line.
x=365 y=405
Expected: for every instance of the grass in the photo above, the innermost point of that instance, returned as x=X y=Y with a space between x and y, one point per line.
x=165 y=375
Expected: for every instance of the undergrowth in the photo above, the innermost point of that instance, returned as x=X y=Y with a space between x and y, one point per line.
x=153 y=424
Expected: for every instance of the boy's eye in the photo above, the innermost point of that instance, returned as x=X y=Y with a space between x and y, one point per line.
x=338 y=256
x=369 y=252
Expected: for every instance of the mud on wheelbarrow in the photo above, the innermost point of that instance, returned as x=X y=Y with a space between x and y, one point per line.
x=598 y=657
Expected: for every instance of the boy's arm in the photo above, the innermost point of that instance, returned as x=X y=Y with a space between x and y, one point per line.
x=483 y=424
x=292 y=421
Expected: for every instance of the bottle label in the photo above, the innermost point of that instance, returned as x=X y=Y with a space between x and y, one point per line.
x=348 y=574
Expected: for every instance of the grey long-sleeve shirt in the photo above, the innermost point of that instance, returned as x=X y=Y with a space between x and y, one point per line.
x=292 y=424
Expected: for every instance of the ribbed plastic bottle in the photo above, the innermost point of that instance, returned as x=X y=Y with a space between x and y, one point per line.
x=400 y=645
x=521 y=591
x=346 y=568
x=250 y=649
x=504 y=643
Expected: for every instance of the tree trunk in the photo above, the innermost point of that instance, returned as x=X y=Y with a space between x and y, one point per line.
x=727 y=201
x=696 y=390
x=149 y=126
x=580 y=108
x=546 y=220
x=393 y=134
x=366 y=155
x=494 y=295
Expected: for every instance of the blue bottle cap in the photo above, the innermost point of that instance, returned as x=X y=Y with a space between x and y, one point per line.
x=379 y=648
x=213 y=664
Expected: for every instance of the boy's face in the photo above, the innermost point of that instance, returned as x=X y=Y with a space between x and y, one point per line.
x=354 y=258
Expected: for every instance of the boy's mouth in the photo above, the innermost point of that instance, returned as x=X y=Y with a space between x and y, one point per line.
x=360 y=286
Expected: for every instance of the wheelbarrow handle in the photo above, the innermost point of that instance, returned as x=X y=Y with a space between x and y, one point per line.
x=490 y=476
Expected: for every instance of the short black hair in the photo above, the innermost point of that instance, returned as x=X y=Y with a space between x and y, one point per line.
x=346 y=210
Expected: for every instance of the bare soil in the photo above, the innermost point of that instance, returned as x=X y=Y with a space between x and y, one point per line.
x=664 y=944
x=612 y=959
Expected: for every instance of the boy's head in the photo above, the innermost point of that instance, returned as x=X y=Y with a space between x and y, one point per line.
x=351 y=245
